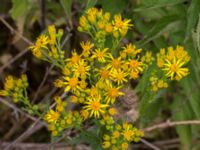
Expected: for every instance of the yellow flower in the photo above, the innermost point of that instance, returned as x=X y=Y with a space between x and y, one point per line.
x=69 y=121
x=134 y=75
x=106 y=144
x=160 y=62
x=83 y=23
x=19 y=83
x=60 y=105
x=58 y=83
x=124 y=146
x=84 y=114
x=93 y=92
x=116 y=134
x=180 y=53
x=108 y=28
x=112 y=111
x=131 y=50
x=127 y=132
x=83 y=84
x=121 y=25
x=100 y=54
x=101 y=25
x=66 y=71
x=174 y=69
x=40 y=43
x=9 y=83
x=107 y=16
x=95 y=107
x=4 y=93
x=92 y=12
x=106 y=137
x=104 y=74
x=74 y=59
x=54 y=52
x=135 y=65
x=52 y=116
x=52 y=34
x=148 y=58
x=86 y=46
x=114 y=63
x=74 y=99
x=119 y=76
x=37 y=53
x=112 y=93
x=81 y=69
x=71 y=84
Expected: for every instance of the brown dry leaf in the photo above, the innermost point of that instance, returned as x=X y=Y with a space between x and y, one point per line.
x=5 y=58
x=130 y=105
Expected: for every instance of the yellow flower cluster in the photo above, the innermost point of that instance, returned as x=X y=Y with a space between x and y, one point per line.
x=148 y=57
x=157 y=84
x=99 y=25
x=14 y=87
x=17 y=90
x=120 y=136
x=94 y=78
x=109 y=76
x=59 y=120
x=48 y=47
x=172 y=62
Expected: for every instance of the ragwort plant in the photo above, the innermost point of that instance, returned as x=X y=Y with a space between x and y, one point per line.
x=94 y=79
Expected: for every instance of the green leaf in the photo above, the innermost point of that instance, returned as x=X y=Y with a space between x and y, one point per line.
x=149 y=111
x=157 y=4
x=192 y=95
x=192 y=17
x=91 y=138
x=66 y=4
x=166 y=24
x=181 y=112
x=115 y=6
x=91 y=3
x=19 y=8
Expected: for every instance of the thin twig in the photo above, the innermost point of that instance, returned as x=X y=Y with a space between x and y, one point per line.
x=19 y=110
x=149 y=144
x=43 y=13
x=28 y=132
x=42 y=83
x=13 y=30
x=168 y=123
x=14 y=59
x=66 y=39
x=22 y=37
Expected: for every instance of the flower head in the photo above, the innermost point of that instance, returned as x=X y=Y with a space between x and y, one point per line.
x=52 y=116
x=95 y=107
x=100 y=54
x=121 y=25
x=175 y=70
x=86 y=46
x=71 y=83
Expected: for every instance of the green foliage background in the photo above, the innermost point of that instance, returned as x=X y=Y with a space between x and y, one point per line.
x=157 y=24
